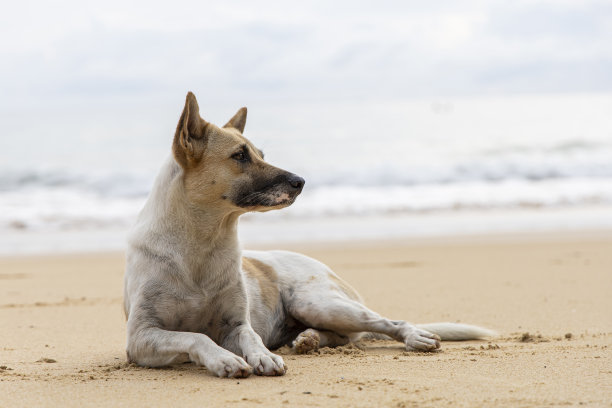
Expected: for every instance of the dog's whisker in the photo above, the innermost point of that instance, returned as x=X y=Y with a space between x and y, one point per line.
x=254 y=198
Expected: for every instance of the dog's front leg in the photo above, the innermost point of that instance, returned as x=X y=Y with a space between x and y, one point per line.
x=246 y=342
x=239 y=336
x=155 y=347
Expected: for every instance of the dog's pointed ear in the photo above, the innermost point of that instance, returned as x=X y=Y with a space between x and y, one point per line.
x=238 y=120
x=190 y=137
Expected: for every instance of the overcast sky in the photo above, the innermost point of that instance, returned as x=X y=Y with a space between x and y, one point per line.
x=72 y=51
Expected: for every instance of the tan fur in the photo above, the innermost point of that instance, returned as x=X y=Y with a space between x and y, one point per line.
x=214 y=166
x=189 y=138
x=266 y=278
x=238 y=121
x=203 y=150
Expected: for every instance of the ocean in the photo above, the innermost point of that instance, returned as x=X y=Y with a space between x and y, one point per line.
x=67 y=174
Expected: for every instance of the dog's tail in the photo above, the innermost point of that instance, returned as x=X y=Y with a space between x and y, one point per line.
x=457 y=331
x=446 y=331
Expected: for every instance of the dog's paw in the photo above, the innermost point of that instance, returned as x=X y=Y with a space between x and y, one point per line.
x=229 y=365
x=306 y=341
x=422 y=340
x=267 y=363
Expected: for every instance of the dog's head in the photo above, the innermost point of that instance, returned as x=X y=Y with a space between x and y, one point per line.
x=222 y=168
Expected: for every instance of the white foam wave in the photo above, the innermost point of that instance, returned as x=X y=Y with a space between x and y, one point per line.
x=64 y=208
x=345 y=200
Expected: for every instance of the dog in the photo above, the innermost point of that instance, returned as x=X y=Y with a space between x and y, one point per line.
x=192 y=294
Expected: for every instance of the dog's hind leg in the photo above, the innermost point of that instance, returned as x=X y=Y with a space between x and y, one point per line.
x=347 y=317
x=312 y=339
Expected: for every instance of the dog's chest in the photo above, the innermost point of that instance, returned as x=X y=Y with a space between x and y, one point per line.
x=210 y=308
x=190 y=313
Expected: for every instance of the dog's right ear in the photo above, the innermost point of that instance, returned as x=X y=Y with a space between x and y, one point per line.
x=190 y=137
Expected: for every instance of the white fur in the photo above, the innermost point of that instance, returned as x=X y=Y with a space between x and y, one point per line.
x=457 y=331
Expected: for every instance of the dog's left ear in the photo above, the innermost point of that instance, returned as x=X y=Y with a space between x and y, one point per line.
x=238 y=120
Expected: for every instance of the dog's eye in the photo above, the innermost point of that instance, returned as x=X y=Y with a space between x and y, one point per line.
x=240 y=156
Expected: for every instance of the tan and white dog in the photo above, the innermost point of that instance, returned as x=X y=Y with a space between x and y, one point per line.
x=192 y=294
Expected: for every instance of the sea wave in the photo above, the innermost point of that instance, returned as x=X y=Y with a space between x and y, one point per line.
x=67 y=208
x=351 y=200
x=565 y=173
x=565 y=160
x=108 y=183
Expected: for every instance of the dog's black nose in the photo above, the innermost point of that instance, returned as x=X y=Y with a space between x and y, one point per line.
x=296 y=181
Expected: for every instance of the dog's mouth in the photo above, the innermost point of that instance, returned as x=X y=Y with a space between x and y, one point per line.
x=269 y=199
x=269 y=194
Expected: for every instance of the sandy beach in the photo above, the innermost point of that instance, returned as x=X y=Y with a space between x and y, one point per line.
x=62 y=331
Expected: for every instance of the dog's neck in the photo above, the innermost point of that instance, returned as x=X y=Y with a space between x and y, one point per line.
x=208 y=241
x=205 y=238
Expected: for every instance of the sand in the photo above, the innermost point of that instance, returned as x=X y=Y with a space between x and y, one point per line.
x=62 y=331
